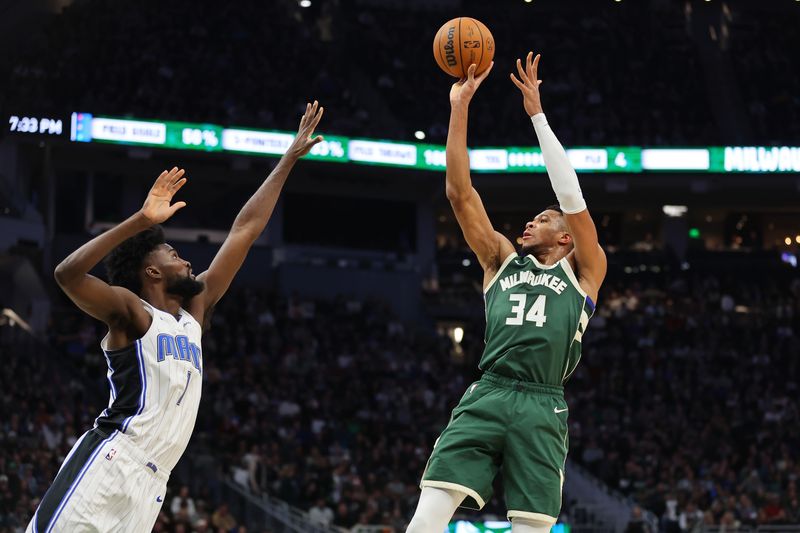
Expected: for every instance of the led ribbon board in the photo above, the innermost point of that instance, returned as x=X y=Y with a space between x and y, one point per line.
x=85 y=127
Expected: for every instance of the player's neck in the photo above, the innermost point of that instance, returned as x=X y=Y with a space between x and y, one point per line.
x=547 y=256
x=163 y=301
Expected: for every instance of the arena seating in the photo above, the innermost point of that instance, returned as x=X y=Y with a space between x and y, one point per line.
x=683 y=400
x=258 y=63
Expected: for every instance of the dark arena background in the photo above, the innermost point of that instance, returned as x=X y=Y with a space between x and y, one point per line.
x=356 y=323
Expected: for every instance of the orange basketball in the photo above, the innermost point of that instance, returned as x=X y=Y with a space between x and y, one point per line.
x=462 y=42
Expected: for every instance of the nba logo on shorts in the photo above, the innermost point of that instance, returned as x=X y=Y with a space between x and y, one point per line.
x=110 y=455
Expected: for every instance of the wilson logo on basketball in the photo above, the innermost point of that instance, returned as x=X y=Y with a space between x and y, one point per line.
x=449 y=48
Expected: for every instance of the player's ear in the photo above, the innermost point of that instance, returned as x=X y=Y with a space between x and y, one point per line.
x=152 y=272
x=565 y=238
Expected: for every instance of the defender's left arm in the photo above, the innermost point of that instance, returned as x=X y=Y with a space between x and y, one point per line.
x=588 y=256
x=253 y=217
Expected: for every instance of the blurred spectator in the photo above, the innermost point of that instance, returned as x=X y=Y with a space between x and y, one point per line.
x=321 y=513
x=222 y=519
x=637 y=523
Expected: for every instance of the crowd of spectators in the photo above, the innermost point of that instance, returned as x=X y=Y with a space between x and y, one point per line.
x=626 y=73
x=587 y=52
x=758 y=46
x=684 y=401
x=247 y=63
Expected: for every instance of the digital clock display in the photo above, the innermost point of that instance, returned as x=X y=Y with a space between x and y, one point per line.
x=36 y=125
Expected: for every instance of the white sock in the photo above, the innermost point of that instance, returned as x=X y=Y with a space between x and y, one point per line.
x=434 y=510
x=527 y=525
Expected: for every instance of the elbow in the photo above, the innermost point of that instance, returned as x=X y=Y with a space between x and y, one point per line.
x=454 y=194
x=62 y=274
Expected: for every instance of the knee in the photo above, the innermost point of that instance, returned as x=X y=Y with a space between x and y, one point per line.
x=420 y=524
x=527 y=525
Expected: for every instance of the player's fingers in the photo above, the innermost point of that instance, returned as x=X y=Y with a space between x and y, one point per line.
x=315 y=120
x=160 y=179
x=175 y=207
x=535 y=67
x=176 y=177
x=486 y=72
x=521 y=71
x=515 y=81
x=165 y=179
x=316 y=140
x=310 y=114
x=177 y=185
x=471 y=71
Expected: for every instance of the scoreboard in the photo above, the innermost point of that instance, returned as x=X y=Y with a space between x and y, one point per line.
x=90 y=128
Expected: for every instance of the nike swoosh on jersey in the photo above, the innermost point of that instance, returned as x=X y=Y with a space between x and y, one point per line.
x=556 y=410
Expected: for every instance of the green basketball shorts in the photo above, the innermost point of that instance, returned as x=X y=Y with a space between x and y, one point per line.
x=505 y=423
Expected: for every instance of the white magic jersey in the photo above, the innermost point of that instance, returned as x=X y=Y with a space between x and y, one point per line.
x=156 y=386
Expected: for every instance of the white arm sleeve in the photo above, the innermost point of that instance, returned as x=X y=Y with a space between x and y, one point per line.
x=562 y=175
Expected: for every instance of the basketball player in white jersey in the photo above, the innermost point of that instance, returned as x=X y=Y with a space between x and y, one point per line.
x=114 y=478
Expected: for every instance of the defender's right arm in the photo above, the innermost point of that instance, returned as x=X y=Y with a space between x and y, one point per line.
x=490 y=246
x=116 y=306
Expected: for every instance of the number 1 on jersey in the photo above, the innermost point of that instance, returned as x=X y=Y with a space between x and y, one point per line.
x=535 y=313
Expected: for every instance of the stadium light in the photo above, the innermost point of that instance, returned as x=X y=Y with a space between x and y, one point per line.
x=458 y=334
x=797 y=239
x=419 y=134
x=305 y=3
x=788 y=241
x=674 y=211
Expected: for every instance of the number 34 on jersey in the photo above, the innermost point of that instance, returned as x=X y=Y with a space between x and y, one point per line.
x=535 y=319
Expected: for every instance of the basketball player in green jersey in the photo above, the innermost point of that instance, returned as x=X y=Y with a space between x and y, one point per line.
x=538 y=304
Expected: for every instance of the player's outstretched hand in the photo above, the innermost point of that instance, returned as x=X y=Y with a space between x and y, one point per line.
x=157 y=206
x=303 y=142
x=529 y=84
x=462 y=91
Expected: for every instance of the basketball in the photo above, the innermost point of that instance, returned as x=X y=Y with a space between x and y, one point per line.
x=461 y=42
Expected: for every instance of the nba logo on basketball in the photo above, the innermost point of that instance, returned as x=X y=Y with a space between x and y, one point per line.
x=110 y=455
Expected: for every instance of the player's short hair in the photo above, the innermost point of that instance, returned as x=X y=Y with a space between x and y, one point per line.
x=557 y=208
x=124 y=263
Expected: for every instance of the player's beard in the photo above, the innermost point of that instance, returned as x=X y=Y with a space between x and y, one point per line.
x=185 y=287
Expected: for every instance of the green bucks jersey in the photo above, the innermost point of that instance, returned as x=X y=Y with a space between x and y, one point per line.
x=535 y=317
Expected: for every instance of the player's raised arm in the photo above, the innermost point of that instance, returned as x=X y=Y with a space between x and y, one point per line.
x=253 y=217
x=117 y=306
x=490 y=246
x=589 y=256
